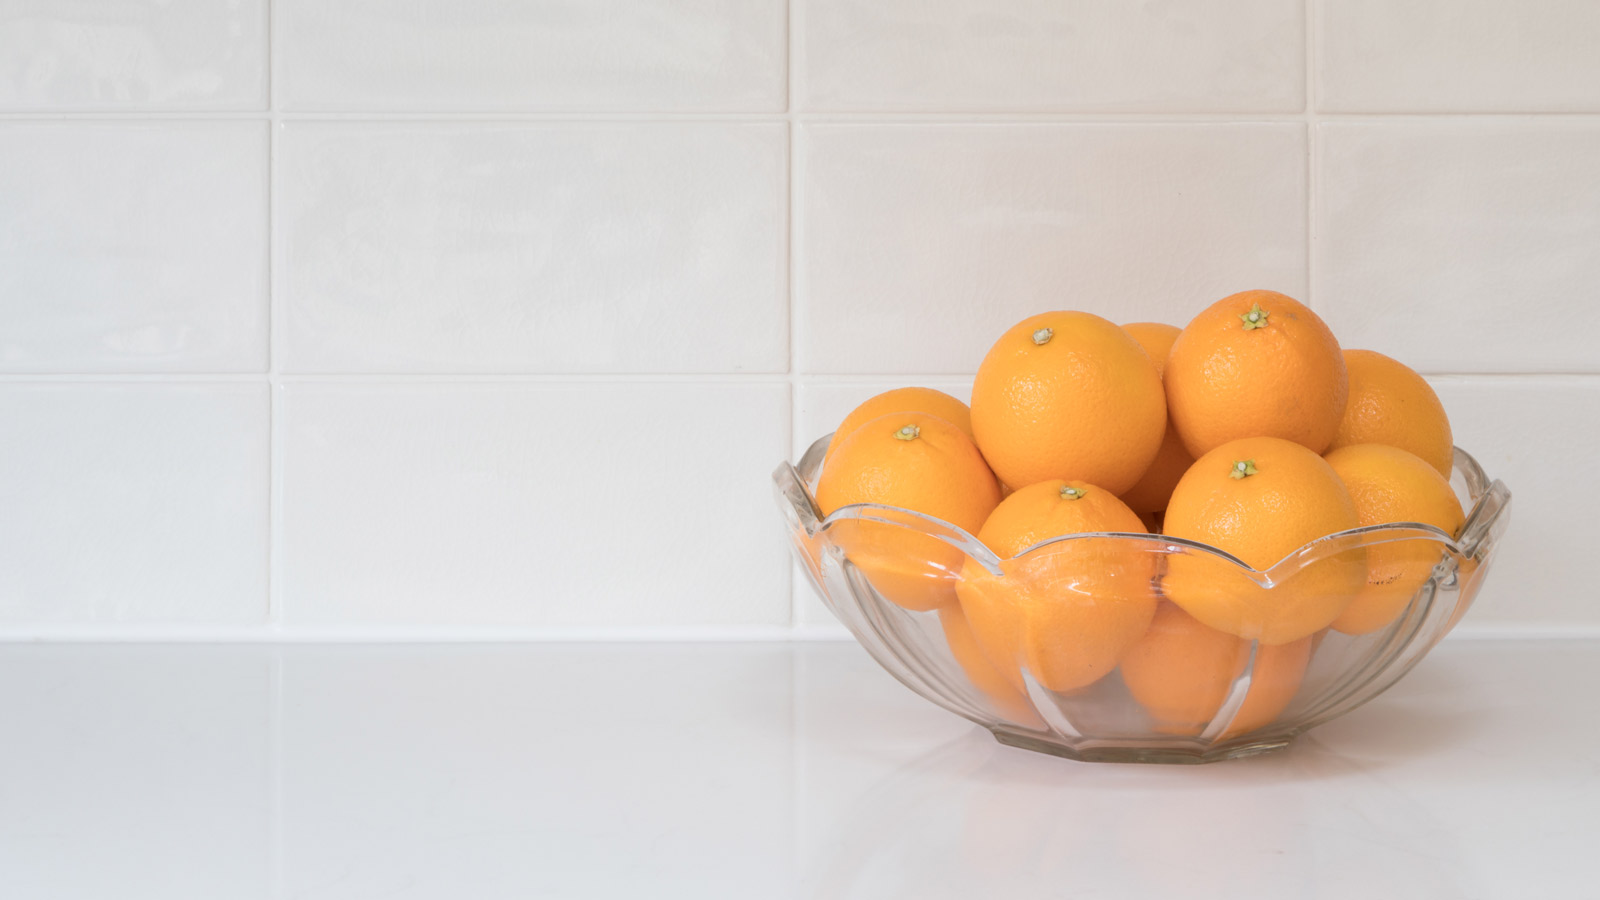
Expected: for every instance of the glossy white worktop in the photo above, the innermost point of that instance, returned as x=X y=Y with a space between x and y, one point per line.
x=751 y=771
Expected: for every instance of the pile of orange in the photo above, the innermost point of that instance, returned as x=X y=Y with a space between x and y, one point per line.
x=1249 y=430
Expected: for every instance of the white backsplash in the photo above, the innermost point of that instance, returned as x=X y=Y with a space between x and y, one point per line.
x=445 y=317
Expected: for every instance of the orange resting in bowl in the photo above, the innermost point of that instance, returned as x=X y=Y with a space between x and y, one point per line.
x=1181 y=672
x=1252 y=364
x=1149 y=495
x=1068 y=395
x=903 y=400
x=1003 y=687
x=1391 y=404
x=914 y=461
x=1261 y=499
x=1066 y=612
x=1390 y=485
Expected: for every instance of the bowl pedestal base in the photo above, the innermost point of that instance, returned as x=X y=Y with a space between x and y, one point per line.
x=1135 y=751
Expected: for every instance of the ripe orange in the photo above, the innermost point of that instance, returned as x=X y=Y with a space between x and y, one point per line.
x=1068 y=395
x=1068 y=611
x=1172 y=460
x=919 y=462
x=1156 y=338
x=1002 y=686
x=1390 y=485
x=1181 y=672
x=1256 y=364
x=1261 y=499
x=1391 y=404
x=908 y=399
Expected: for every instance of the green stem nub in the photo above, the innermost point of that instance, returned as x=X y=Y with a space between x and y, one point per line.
x=1255 y=318
x=1242 y=468
x=1068 y=492
x=1043 y=336
x=908 y=433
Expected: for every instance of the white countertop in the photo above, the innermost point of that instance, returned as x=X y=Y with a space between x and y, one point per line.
x=751 y=771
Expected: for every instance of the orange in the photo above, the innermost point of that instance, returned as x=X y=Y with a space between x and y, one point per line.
x=1390 y=485
x=1256 y=364
x=1261 y=499
x=1068 y=395
x=919 y=462
x=1155 y=486
x=1172 y=460
x=1181 y=672
x=1156 y=338
x=1391 y=404
x=1065 y=612
x=908 y=399
x=1003 y=687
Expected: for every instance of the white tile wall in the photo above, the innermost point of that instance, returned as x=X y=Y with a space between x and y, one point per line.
x=1134 y=222
x=1537 y=434
x=545 y=54
x=133 y=54
x=1462 y=245
x=602 y=247
x=515 y=504
x=133 y=247
x=439 y=317
x=1458 y=55
x=133 y=503
x=1031 y=55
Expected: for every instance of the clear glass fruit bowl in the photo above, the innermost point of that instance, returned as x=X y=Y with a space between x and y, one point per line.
x=1076 y=647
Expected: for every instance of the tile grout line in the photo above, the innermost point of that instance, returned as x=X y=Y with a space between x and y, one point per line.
x=863 y=117
x=1313 y=156
x=584 y=378
x=530 y=635
x=792 y=231
x=274 y=339
x=277 y=886
x=399 y=377
x=404 y=634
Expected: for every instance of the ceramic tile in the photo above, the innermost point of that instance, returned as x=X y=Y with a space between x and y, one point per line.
x=535 y=505
x=970 y=55
x=133 y=504
x=133 y=247
x=598 y=247
x=1461 y=246
x=1534 y=434
x=156 y=55
x=920 y=244
x=549 y=54
x=1442 y=56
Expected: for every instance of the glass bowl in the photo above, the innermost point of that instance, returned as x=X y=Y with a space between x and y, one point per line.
x=1101 y=647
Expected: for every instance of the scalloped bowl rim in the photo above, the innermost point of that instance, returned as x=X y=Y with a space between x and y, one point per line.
x=1396 y=531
